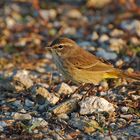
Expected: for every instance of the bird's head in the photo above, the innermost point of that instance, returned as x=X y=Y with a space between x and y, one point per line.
x=62 y=46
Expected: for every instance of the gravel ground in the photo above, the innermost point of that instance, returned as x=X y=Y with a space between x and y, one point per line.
x=36 y=102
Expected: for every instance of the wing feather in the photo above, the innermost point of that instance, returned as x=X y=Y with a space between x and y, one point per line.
x=87 y=61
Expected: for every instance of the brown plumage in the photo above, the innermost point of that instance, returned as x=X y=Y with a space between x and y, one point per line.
x=80 y=66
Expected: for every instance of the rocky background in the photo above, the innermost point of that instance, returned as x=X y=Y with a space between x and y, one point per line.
x=35 y=101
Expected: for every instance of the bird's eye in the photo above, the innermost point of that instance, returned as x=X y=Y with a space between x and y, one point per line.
x=60 y=46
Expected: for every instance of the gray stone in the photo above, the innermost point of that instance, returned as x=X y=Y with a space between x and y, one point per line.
x=74 y=13
x=3 y=124
x=127 y=116
x=106 y=55
x=104 y=38
x=17 y=104
x=39 y=122
x=121 y=123
x=116 y=33
x=86 y=125
x=104 y=84
x=21 y=116
x=135 y=97
x=94 y=36
x=131 y=25
x=95 y=104
x=47 y=14
x=124 y=109
x=36 y=131
x=116 y=44
x=63 y=116
x=135 y=41
x=65 y=107
x=64 y=88
x=113 y=126
x=22 y=80
x=29 y=103
x=97 y=3
x=1 y=129
x=112 y=137
x=119 y=63
x=50 y=97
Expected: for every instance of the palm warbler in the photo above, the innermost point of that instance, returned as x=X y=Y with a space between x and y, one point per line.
x=80 y=66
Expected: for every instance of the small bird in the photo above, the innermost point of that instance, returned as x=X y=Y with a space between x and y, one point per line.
x=80 y=66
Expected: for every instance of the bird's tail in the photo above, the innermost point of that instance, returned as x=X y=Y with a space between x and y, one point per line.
x=117 y=73
x=132 y=75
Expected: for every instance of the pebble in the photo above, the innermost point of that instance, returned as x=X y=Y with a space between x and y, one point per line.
x=17 y=104
x=103 y=38
x=23 y=111
x=63 y=116
x=84 y=44
x=106 y=55
x=41 y=107
x=87 y=46
x=3 y=124
x=102 y=93
x=1 y=129
x=97 y=3
x=65 y=107
x=64 y=88
x=121 y=123
x=104 y=84
x=77 y=96
x=50 y=97
x=86 y=125
x=10 y=22
x=131 y=25
x=95 y=104
x=22 y=80
x=40 y=69
x=74 y=14
x=119 y=63
x=116 y=44
x=94 y=36
x=20 y=116
x=103 y=30
x=124 y=109
x=29 y=103
x=70 y=30
x=127 y=116
x=7 y=85
x=48 y=14
x=113 y=126
x=35 y=131
x=111 y=137
x=135 y=41
x=39 y=122
x=135 y=97
x=116 y=33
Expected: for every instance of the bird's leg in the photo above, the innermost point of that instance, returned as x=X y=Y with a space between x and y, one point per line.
x=88 y=91
x=78 y=89
x=82 y=86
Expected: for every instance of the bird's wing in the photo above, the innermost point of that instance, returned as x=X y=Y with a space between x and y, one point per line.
x=86 y=60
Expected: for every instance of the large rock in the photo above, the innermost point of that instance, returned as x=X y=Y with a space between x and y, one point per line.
x=95 y=104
